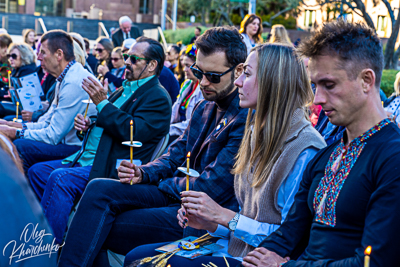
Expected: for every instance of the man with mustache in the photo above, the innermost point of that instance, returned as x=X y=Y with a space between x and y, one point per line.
x=141 y=100
x=114 y=215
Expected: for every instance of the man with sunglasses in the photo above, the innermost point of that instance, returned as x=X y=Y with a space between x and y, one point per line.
x=118 y=216
x=141 y=101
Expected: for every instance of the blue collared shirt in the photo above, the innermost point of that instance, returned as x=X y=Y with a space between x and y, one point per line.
x=253 y=232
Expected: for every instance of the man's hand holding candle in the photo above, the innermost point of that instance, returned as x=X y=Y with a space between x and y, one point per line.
x=262 y=257
x=81 y=124
x=200 y=205
x=128 y=172
x=185 y=219
x=96 y=91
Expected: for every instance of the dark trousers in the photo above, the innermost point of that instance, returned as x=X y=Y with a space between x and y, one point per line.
x=32 y=152
x=58 y=187
x=118 y=217
x=176 y=261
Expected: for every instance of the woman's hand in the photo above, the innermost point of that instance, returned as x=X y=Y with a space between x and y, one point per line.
x=199 y=204
x=193 y=221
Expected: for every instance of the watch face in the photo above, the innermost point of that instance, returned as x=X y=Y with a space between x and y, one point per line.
x=232 y=225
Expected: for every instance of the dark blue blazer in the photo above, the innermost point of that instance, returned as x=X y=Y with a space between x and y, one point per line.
x=212 y=155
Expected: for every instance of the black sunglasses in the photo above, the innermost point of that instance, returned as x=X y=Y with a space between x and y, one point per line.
x=115 y=59
x=133 y=58
x=211 y=77
x=13 y=56
x=99 y=50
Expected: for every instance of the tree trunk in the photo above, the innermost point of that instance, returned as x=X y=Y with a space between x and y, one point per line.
x=390 y=58
x=203 y=16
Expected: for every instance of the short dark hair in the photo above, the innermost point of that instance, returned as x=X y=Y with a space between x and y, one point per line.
x=5 y=40
x=226 y=39
x=155 y=51
x=355 y=44
x=198 y=28
x=59 y=39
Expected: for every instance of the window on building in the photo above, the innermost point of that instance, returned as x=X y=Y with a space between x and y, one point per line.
x=146 y=7
x=382 y=24
x=50 y=7
x=309 y=18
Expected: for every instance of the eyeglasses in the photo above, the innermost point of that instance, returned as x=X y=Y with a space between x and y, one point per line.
x=99 y=50
x=211 y=77
x=115 y=59
x=13 y=56
x=133 y=58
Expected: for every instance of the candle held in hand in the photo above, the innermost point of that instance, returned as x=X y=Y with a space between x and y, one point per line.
x=188 y=170
x=131 y=146
x=16 y=117
x=84 y=116
x=367 y=253
x=9 y=79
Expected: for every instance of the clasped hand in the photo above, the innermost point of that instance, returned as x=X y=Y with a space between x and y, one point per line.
x=128 y=172
x=81 y=123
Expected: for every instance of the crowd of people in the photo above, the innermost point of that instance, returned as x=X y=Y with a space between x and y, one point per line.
x=280 y=183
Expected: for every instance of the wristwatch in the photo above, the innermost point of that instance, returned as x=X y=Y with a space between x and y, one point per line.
x=17 y=134
x=233 y=223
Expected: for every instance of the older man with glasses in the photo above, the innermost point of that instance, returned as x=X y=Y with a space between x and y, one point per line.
x=139 y=110
x=115 y=215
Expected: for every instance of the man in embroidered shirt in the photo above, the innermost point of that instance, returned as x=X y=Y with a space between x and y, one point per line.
x=115 y=215
x=143 y=100
x=348 y=199
x=54 y=137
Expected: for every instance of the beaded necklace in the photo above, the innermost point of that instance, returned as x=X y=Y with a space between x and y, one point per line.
x=337 y=169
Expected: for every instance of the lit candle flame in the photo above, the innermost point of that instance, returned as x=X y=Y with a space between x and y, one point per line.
x=368 y=251
x=131 y=122
x=17 y=103
x=188 y=155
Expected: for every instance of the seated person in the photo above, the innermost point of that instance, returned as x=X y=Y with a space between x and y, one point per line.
x=20 y=210
x=48 y=83
x=54 y=137
x=265 y=180
x=118 y=70
x=188 y=98
x=58 y=184
x=348 y=198
x=23 y=62
x=392 y=104
x=114 y=215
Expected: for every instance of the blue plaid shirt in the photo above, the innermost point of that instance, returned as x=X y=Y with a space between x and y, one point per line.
x=62 y=75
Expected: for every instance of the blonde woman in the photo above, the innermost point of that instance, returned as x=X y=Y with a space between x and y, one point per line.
x=29 y=36
x=251 y=30
x=279 y=35
x=277 y=144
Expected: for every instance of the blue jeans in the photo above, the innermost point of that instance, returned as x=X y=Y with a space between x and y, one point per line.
x=58 y=187
x=32 y=152
x=118 y=217
x=176 y=261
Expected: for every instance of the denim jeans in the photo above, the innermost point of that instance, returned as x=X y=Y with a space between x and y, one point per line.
x=58 y=187
x=32 y=152
x=118 y=217
x=176 y=261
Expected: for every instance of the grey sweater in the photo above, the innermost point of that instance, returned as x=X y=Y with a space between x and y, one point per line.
x=58 y=123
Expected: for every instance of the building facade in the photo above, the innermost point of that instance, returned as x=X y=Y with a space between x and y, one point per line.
x=140 y=11
x=312 y=15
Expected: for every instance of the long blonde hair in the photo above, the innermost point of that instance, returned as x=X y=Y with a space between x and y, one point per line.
x=279 y=35
x=280 y=93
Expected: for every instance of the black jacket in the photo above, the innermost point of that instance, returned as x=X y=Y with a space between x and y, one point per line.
x=118 y=36
x=150 y=109
x=23 y=71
